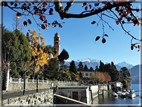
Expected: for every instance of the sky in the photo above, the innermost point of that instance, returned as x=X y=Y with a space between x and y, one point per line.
x=77 y=36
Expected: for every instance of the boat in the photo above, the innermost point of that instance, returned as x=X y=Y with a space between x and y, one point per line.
x=131 y=91
x=131 y=94
x=114 y=94
x=123 y=94
x=119 y=93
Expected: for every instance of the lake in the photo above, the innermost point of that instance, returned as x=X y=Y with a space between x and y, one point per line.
x=108 y=100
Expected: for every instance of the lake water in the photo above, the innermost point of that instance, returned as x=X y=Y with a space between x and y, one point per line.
x=109 y=100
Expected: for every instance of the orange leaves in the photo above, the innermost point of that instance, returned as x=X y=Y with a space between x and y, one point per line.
x=84 y=4
x=135 y=46
x=51 y=11
x=93 y=22
x=103 y=40
x=25 y=23
x=97 y=38
x=100 y=76
x=77 y=78
x=29 y=21
x=18 y=15
x=117 y=22
x=90 y=6
x=44 y=4
x=107 y=77
x=86 y=8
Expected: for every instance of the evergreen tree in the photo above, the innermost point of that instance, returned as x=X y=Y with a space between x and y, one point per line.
x=63 y=55
x=91 y=69
x=107 y=67
x=101 y=67
x=80 y=75
x=97 y=69
x=49 y=49
x=15 y=51
x=73 y=67
x=80 y=65
x=85 y=67
x=126 y=74
x=51 y=70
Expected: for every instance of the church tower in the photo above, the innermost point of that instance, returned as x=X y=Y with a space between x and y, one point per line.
x=57 y=43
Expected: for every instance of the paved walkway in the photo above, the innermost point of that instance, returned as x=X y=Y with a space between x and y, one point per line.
x=7 y=95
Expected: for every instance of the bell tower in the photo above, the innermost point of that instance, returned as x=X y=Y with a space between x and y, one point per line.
x=57 y=43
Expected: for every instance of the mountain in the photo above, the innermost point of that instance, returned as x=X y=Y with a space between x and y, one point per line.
x=135 y=74
x=124 y=64
x=89 y=62
x=93 y=63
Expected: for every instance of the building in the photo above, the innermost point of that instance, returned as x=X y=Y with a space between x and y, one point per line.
x=57 y=43
x=80 y=93
x=86 y=74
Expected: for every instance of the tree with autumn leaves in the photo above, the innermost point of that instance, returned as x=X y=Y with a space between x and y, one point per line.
x=100 y=77
x=122 y=12
x=37 y=45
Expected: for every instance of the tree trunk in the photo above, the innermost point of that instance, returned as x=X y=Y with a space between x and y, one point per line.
x=7 y=77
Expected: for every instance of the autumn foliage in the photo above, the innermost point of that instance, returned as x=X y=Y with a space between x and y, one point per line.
x=37 y=45
x=78 y=78
x=100 y=77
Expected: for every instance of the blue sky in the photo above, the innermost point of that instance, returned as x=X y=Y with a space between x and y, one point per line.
x=78 y=37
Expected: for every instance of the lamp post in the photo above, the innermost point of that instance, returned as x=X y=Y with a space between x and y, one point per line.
x=24 y=83
x=37 y=82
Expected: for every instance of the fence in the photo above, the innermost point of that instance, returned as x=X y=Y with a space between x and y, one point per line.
x=18 y=84
x=20 y=80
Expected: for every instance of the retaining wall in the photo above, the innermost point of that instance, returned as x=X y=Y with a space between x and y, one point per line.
x=45 y=97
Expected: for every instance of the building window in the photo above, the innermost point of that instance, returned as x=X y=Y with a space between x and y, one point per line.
x=86 y=74
x=90 y=74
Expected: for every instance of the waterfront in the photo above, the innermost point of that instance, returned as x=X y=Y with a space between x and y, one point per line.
x=110 y=100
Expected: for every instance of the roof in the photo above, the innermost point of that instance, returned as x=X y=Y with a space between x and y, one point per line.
x=85 y=71
x=73 y=87
x=57 y=34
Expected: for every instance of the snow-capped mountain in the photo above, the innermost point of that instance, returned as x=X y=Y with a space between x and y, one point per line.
x=89 y=62
x=93 y=63
x=125 y=64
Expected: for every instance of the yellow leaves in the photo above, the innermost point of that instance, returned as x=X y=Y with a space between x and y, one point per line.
x=43 y=46
x=37 y=50
x=42 y=39
x=37 y=69
x=41 y=51
x=30 y=30
x=32 y=62
x=34 y=33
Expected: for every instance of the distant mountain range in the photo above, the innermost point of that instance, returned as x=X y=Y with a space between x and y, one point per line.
x=93 y=63
x=135 y=74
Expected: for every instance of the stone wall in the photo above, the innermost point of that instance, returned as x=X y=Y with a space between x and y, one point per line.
x=45 y=97
x=20 y=86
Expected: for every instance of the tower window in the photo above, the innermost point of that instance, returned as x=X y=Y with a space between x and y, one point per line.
x=56 y=43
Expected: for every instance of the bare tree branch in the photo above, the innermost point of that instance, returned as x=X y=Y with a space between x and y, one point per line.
x=69 y=4
x=60 y=10
x=124 y=28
